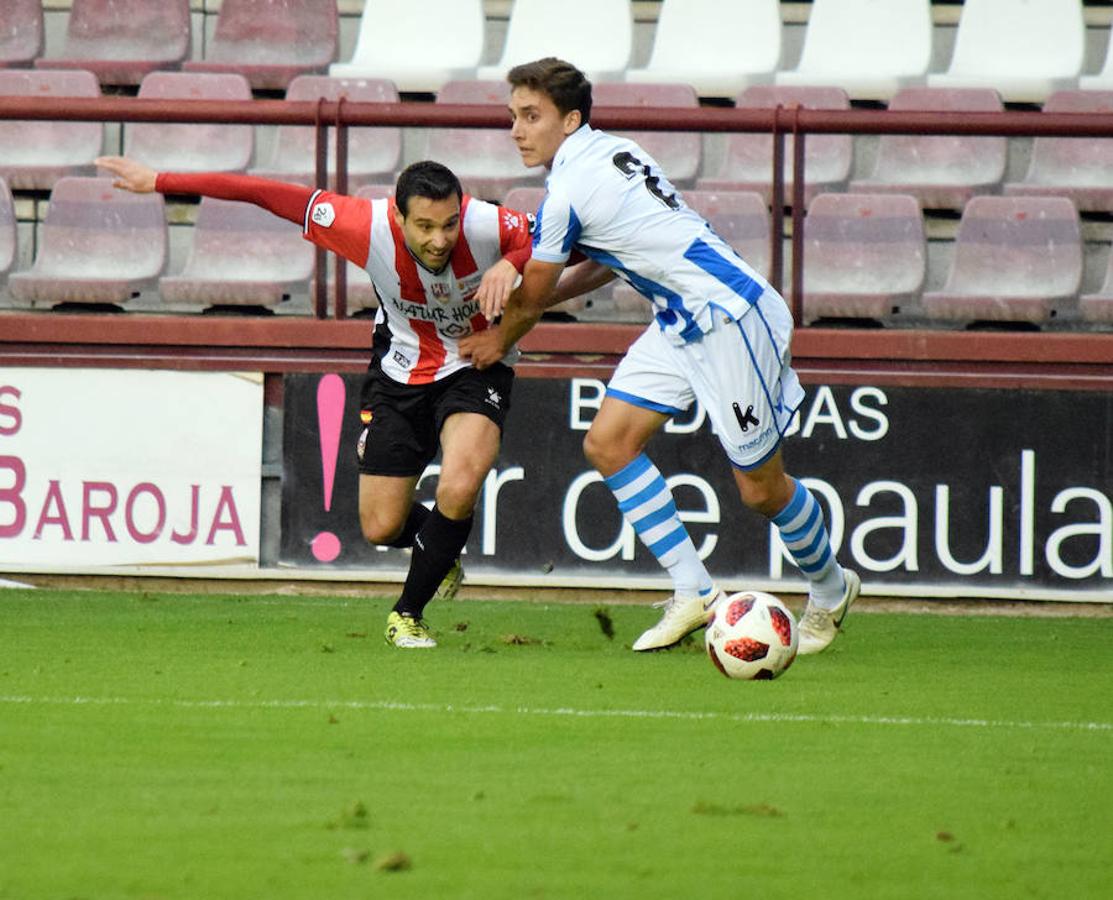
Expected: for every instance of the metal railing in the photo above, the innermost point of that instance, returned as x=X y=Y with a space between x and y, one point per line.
x=779 y=122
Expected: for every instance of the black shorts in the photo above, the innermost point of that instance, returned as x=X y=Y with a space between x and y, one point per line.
x=402 y=422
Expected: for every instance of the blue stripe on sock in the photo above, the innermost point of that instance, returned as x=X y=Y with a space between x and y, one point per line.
x=819 y=565
x=633 y=469
x=804 y=552
x=790 y=537
x=655 y=518
x=799 y=497
x=651 y=490
x=670 y=540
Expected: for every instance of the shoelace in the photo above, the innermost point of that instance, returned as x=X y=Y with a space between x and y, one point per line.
x=814 y=618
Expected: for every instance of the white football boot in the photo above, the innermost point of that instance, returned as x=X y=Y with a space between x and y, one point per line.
x=819 y=626
x=684 y=613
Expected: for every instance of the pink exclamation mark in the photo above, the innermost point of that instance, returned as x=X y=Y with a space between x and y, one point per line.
x=330 y=413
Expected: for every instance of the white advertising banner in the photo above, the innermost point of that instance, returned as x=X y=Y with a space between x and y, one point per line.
x=129 y=467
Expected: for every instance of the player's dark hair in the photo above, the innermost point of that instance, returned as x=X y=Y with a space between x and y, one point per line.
x=426 y=179
x=560 y=81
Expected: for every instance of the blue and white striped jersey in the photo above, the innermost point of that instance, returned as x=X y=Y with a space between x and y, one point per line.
x=609 y=199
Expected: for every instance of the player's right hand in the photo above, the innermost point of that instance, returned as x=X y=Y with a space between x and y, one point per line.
x=128 y=174
x=497 y=284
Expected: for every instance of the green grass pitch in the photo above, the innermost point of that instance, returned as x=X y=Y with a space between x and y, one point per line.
x=175 y=746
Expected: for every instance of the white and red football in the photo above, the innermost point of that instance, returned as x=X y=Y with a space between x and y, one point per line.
x=751 y=636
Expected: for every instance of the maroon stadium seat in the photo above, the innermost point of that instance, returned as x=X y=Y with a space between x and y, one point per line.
x=942 y=171
x=485 y=159
x=21 y=32
x=99 y=245
x=170 y=147
x=242 y=255
x=35 y=154
x=1098 y=307
x=271 y=42
x=865 y=256
x=374 y=154
x=1017 y=259
x=676 y=152
x=120 y=41
x=1079 y=168
x=748 y=162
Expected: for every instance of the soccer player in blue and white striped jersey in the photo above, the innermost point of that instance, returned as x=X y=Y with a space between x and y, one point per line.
x=721 y=337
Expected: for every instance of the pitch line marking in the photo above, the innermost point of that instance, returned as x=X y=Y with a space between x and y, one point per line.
x=566 y=712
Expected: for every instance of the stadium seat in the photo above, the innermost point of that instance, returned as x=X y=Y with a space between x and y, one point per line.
x=1098 y=308
x=1017 y=259
x=170 y=147
x=242 y=256
x=596 y=36
x=941 y=171
x=391 y=43
x=1103 y=80
x=676 y=152
x=741 y=218
x=747 y=164
x=99 y=245
x=869 y=48
x=1025 y=49
x=35 y=154
x=524 y=199
x=271 y=42
x=865 y=256
x=1079 y=168
x=9 y=233
x=718 y=48
x=120 y=41
x=485 y=159
x=374 y=154
x=21 y=32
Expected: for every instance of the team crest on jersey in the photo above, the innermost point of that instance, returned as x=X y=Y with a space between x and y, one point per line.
x=440 y=290
x=365 y=416
x=324 y=215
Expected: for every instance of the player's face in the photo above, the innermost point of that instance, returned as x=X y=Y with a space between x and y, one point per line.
x=431 y=229
x=538 y=127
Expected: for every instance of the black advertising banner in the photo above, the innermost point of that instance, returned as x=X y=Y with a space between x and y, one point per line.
x=990 y=492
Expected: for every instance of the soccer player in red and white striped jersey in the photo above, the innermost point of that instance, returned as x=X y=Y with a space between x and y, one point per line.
x=437 y=259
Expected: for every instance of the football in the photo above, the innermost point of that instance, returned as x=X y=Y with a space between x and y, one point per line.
x=751 y=636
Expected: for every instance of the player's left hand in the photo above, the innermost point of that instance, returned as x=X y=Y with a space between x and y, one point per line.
x=483 y=349
x=495 y=288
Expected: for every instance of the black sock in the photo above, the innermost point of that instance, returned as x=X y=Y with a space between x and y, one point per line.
x=436 y=547
x=418 y=514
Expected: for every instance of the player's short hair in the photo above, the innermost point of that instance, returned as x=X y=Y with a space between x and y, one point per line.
x=560 y=81
x=426 y=179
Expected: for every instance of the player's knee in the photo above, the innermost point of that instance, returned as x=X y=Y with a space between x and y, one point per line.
x=763 y=496
x=456 y=497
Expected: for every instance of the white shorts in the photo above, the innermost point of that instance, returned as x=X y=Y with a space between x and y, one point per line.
x=740 y=374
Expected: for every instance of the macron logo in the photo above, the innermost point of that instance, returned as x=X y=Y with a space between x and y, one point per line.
x=323 y=214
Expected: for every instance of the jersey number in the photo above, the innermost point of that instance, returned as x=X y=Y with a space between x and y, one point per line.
x=630 y=167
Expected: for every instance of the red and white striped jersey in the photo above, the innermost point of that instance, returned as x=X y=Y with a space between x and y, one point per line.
x=422 y=314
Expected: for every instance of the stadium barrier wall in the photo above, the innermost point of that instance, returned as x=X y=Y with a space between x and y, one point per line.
x=968 y=492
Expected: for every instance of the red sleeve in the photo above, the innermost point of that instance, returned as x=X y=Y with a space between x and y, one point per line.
x=282 y=199
x=333 y=221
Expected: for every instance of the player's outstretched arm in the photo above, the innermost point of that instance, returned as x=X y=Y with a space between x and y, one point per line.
x=128 y=174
